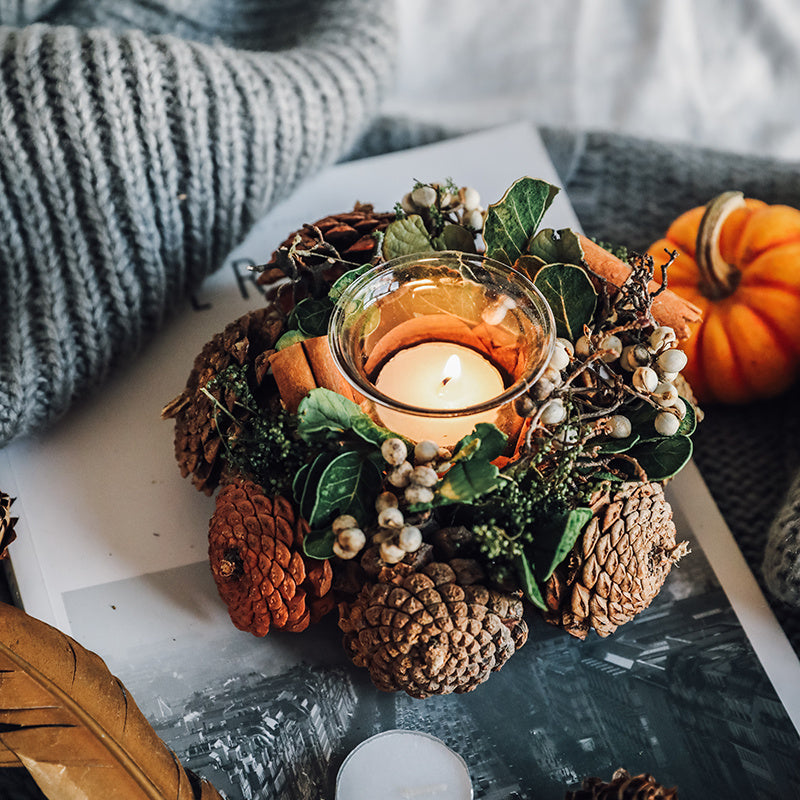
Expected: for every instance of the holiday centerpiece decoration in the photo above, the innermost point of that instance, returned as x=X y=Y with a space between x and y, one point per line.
x=445 y=417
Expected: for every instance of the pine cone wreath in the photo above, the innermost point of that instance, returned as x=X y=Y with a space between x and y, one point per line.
x=202 y=409
x=7 y=523
x=255 y=551
x=316 y=255
x=623 y=786
x=618 y=565
x=431 y=631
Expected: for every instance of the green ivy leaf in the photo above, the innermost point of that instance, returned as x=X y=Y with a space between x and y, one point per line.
x=530 y=587
x=370 y=431
x=689 y=422
x=467 y=480
x=571 y=297
x=299 y=482
x=324 y=414
x=528 y=266
x=512 y=221
x=347 y=485
x=455 y=237
x=289 y=338
x=663 y=457
x=556 y=247
x=491 y=442
x=567 y=531
x=342 y=282
x=310 y=316
x=608 y=445
x=406 y=236
x=319 y=543
x=306 y=488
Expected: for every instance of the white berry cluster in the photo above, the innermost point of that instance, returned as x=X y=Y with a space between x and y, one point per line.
x=411 y=483
x=652 y=364
x=414 y=482
x=463 y=204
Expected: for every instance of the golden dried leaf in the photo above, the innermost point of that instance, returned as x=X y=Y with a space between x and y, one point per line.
x=73 y=726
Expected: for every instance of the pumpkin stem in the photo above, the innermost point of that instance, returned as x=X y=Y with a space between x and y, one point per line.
x=719 y=278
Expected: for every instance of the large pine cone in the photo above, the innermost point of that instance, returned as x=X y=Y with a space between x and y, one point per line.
x=7 y=523
x=618 y=565
x=623 y=786
x=245 y=342
x=316 y=255
x=255 y=550
x=431 y=631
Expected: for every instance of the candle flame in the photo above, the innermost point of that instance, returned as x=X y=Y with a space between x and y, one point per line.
x=452 y=369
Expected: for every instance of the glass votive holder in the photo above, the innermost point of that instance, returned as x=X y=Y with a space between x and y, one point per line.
x=437 y=343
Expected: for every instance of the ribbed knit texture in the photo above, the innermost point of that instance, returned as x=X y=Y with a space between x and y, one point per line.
x=782 y=554
x=131 y=163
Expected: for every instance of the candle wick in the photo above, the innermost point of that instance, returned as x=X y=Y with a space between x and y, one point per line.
x=446 y=380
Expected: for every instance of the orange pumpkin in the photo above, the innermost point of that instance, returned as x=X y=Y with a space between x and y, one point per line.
x=738 y=260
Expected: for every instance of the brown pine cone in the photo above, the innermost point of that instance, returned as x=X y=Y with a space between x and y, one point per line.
x=247 y=341
x=623 y=786
x=430 y=631
x=255 y=550
x=618 y=564
x=316 y=255
x=7 y=523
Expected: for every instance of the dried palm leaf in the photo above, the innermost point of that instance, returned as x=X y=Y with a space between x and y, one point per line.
x=67 y=720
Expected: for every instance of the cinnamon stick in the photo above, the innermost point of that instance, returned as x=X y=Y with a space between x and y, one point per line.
x=668 y=308
x=308 y=365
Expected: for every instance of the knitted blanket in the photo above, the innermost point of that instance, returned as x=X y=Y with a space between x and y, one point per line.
x=139 y=142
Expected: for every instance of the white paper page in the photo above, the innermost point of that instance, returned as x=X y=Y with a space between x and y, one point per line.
x=100 y=497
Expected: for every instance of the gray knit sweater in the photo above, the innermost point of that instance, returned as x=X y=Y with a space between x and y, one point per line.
x=139 y=142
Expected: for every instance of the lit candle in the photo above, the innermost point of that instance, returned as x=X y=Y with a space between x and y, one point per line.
x=438 y=376
x=403 y=765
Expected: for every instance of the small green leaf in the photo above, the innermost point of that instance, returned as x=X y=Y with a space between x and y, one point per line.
x=319 y=543
x=310 y=485
x=311 y=315
x=556 y=247
x=571 y=297
x=289 y=338
x=662 y=458
x=299 y=482
x=528 y=265
x=341 y=283
x=368 y=430
x=467 y=480
x=608 y=444
x=347 y=485
x=530 y=587
x=324 y=414
x=455 y=237
x=405 y=237
x=572 y=528
x=689 y=422
x=492 y=442
x=512 y=221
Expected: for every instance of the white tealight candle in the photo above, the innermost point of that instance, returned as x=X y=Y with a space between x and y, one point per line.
x=403 y=765
x=438 y=376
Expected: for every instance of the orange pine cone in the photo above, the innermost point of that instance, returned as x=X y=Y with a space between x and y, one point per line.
x=255 y=550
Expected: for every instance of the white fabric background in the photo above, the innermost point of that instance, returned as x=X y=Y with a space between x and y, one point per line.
x=723 y=73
